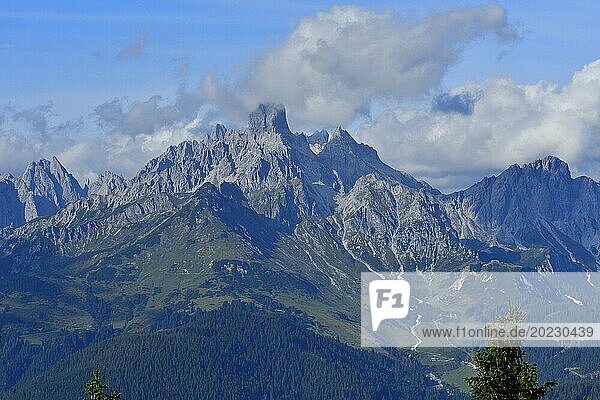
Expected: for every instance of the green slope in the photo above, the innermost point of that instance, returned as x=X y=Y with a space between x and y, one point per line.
x=237 y=352
x=209 y=248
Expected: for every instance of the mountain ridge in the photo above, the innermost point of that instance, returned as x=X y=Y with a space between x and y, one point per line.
x=273 y=218
x=292 y=177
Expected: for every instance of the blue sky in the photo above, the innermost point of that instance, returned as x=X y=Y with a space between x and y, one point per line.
x=65 y=51
x=75 y=56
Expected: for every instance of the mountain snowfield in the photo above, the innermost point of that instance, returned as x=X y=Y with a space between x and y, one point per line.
x=535 y=215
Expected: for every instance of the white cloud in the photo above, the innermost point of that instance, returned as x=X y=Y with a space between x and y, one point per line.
x=136 y=49
x=123 y=151
x=15 y=151
x=508 y=123
x=35 y=118
x=146 y=117
x=334 y=65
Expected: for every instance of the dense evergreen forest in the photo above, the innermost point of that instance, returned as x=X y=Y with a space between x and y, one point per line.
x=582 y=382
x=240 y=351
x=237 y=352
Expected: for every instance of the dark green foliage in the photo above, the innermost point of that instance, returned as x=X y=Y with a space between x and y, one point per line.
x=503 y=374
x=20 y=359
x=96 y=386
x=577 y=370
x=237 y=352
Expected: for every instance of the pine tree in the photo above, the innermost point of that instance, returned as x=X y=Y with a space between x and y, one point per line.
x=95 y=388
x=503 y=373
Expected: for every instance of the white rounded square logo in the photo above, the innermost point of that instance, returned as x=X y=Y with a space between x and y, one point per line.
x=389 y=300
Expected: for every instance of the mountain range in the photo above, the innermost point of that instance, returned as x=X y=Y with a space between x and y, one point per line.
x=265 y=215
x=385 y=218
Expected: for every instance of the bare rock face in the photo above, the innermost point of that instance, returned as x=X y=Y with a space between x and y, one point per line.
x=12 y=210
x=107 y=183
x=95 y=218
x=537 y=204
x=265 y=160
x=269 y=118
x=351 y=160
x=389 y=226
x=317 y=140
x=44 y=188
x=383 y=217
x=276 y=169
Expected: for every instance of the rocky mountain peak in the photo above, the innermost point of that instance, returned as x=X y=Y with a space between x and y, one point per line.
x=36 y=172
x=6 y=177
x=317 y=140
x=269 y=118
x=107 y=183
x=218 y=132
x=536 y=204
x=551 y=164
x=45 y=187
x=340 y=135
x=55 y=163
x=59 y=171
x=292 y=178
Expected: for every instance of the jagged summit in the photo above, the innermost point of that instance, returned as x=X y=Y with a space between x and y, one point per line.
x=56 y=162
x=7 y=176
x=218 y=132
x=107 y=183
x=535 y=204
x=337 y=137
x=292 y=177
x=44 y=187
x=269 y=118
x=283 y=175
x=339 y=134
x=323 y=136
x=317 y=140
x=551 y=164
x=515 y=175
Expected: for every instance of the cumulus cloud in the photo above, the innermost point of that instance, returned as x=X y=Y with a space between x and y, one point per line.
x=329 y=71
x=452 y=145
x=126 y=154
x=29 y=134
x=109 y=115
x=35 y=118
x=148 y=116
x=334 y=65
x=136 y=49
x=70 y=126
x=460 y=102
x=16 y=150
x=125 y=147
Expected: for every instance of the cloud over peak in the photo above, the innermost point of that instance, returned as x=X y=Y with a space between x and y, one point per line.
x=334 y=65
x=508 y=123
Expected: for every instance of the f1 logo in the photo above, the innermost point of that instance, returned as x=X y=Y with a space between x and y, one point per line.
x=389 y=299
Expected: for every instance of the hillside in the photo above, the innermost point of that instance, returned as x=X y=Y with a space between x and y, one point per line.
x=269 y=217
x=237 y=352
